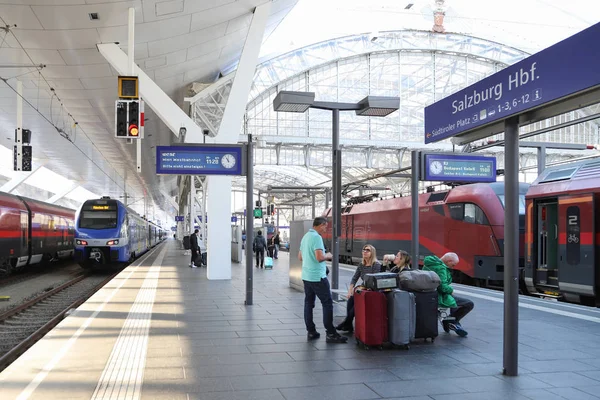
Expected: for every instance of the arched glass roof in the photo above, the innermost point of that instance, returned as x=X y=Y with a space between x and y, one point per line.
x=419 y=67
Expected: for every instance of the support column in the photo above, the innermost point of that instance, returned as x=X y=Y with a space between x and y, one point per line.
x=313 y=207
x=218 y=246
x=219 y=187
x=249 y=221
x=511 y=247
x=337 y=200
x=414 y=193
x=541 y=159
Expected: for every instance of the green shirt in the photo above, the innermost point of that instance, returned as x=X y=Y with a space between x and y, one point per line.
x=312 y=270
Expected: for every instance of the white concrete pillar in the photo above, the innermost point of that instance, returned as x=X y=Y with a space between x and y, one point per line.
x=219 y=187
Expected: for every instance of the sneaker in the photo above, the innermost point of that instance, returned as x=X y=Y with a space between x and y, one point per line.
x=313 y=335
x=456 y=327
x=336 y=338
x=193 y=266
x=345 y=327
x=446 y=326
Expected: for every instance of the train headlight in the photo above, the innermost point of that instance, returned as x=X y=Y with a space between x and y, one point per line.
x=81 y=242
x=112 y=242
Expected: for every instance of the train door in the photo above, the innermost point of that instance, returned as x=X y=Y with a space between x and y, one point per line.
x=576 y=259
x=25 y=243
x=349 y=224
x=547 y=244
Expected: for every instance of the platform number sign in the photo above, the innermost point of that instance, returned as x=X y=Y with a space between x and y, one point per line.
x=573 y=235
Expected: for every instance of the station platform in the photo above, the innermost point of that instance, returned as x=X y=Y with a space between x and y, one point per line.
x=162 y=330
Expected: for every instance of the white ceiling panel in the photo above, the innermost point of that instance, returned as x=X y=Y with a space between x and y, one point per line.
x=13 y=56
x=166 y=8
x=45 y=2
x=22 y=16
x=87 y=71
x=64 y=84
x=217 y=15
x=100 y=83
x=60 y=39
x=150 y=31
x=161 y=47
x=48 y=57
x=69 y=17
x=240 y=23
x=157 y=61
x=171 y=70
x=82 y=57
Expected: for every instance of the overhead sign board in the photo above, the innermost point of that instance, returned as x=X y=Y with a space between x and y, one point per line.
x=550 y=75
x=234 y=219
x=179 y=218
x=441 y=167
x=201 y=159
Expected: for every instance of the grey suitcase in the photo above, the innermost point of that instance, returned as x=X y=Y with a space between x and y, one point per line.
x=402 y=317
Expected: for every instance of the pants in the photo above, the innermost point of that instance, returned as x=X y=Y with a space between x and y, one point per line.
x=260 y=258
x=323 y=292
x=276 y=251
x=464 y=306
x=194 y=256
x=349 y=311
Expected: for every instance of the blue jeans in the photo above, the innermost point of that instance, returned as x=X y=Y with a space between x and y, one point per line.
x=323 y=292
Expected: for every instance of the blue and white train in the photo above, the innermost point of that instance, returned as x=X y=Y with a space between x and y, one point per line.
x=108 y=233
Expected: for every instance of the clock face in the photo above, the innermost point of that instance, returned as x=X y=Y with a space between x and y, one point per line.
x=228 y=161
x=436 y=167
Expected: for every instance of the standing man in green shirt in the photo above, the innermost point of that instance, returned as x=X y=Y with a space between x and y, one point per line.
x=314 y=275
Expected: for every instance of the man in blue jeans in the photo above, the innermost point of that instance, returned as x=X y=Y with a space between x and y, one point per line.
x=314 y=275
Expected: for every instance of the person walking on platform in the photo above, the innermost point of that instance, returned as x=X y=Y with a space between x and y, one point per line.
x=276 y=242
x=194 y=247
x=258 y=246
x=368 y=265
x=314 y=275
x=459 y=306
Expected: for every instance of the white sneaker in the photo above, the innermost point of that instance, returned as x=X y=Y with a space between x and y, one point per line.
x=193 y=266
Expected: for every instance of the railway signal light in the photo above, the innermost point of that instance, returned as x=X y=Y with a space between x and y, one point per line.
x=127 y=119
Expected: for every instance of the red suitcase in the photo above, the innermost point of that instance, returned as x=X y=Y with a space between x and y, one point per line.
x=371 y=326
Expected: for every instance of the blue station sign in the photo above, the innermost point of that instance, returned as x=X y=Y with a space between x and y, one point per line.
x=458 y=168
x=179 y=218
x=566 y=68
x=200 y=160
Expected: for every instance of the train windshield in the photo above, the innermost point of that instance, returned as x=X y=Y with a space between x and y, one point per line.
x=98 y=214
x=521 y=203
x=98 y=219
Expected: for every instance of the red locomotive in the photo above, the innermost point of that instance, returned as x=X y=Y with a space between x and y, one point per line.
x=32 y=232
x=468 y=220
x=563 y=223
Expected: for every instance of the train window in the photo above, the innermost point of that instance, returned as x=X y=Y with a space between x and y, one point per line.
x=433 y=197
x=98 y=219
x=457 y=211
x=475 y=215
x=521 y=203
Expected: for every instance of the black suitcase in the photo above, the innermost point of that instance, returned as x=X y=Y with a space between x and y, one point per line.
x=381 y=281
x=427 y=315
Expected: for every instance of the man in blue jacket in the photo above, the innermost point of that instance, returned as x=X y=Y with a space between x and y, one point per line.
x=459 y=306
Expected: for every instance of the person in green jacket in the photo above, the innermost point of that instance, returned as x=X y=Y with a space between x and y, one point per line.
x=459 y=306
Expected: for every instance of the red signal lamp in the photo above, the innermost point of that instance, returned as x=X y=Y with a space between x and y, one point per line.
x=134 y=130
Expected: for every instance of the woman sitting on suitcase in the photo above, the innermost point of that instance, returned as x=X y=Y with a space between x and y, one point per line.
x=368 y=265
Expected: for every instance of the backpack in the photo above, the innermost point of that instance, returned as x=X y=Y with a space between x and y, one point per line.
x=259 y=243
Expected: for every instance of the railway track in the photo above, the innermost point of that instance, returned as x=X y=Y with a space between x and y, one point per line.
x=24 y=325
